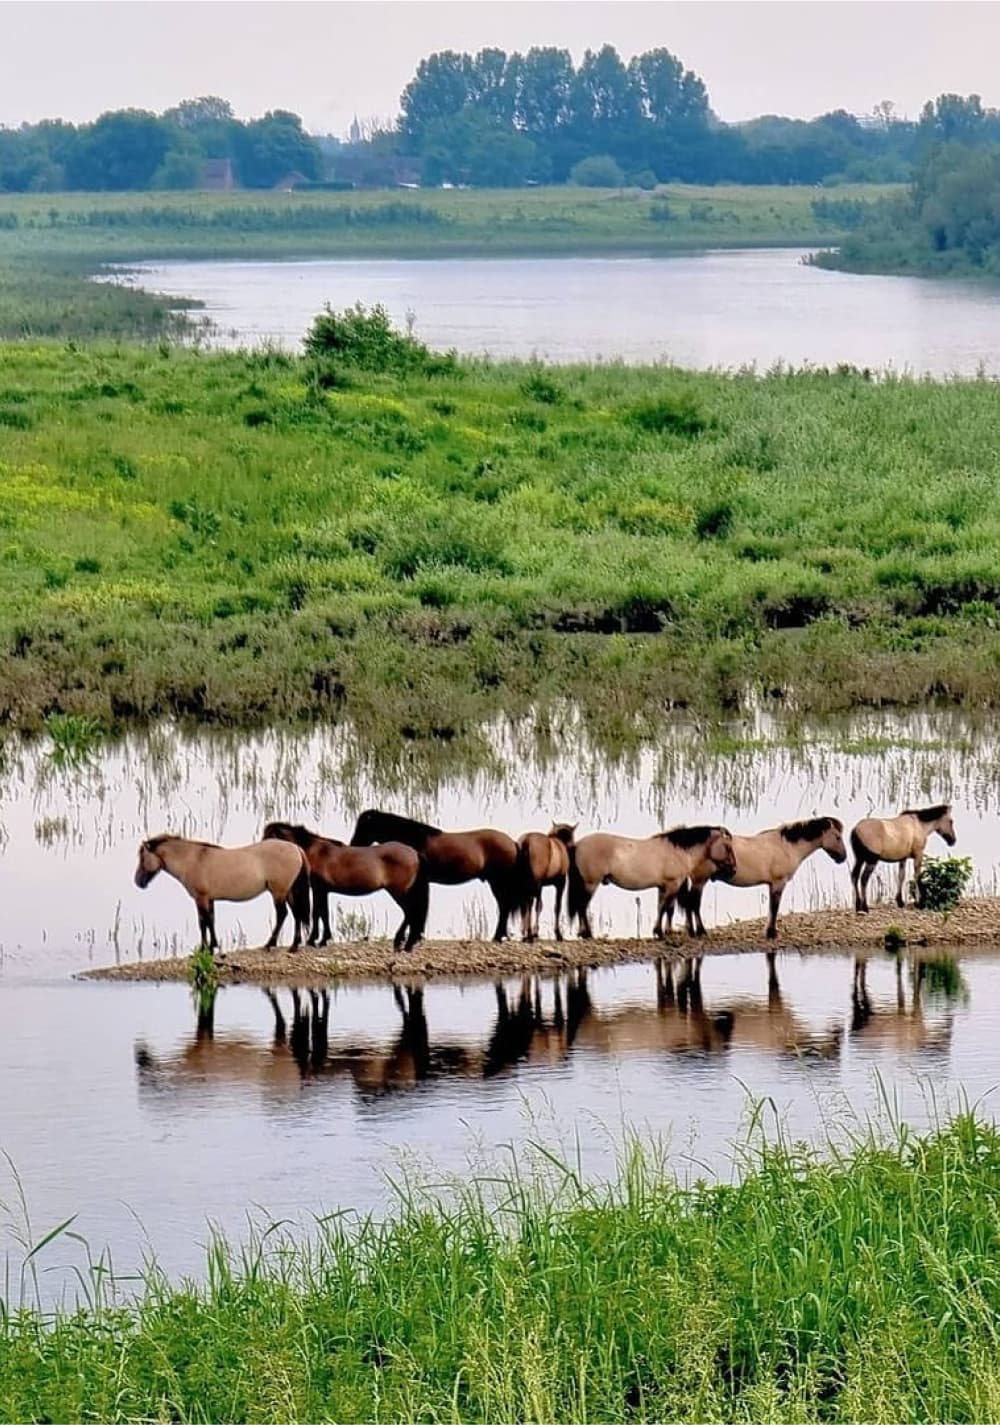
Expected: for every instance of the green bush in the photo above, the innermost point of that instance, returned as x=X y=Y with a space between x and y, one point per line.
x=598 y=171
x=366 y=338
x=675 y=412
x=942 y=881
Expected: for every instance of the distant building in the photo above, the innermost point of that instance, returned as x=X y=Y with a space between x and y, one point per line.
x=354 y=132
x=217 y=175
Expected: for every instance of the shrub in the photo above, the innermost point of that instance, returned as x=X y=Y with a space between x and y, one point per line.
x=644 y=179
x=942 y=881
x=539 y=387
x=366 y=338
x=715 y=521
x=661 y=212
x=894 y=940
x=676 y=412
x=598 y=171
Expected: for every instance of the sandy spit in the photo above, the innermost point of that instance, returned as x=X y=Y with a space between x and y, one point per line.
x=975 y=924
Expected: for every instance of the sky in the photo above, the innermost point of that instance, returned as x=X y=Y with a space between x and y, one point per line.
x=330 y=59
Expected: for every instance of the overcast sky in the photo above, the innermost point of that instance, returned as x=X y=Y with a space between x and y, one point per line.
x=329 y=59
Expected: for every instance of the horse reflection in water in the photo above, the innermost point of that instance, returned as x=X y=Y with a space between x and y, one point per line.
x=540 y=1023
x=903 y=1027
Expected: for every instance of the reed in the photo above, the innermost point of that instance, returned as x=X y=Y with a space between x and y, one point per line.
x=856 y=1285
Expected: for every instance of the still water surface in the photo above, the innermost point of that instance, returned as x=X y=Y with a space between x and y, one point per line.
x=119 y=1106
x=709 y=309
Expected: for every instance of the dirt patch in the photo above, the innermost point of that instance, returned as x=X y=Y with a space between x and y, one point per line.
x=973 y=925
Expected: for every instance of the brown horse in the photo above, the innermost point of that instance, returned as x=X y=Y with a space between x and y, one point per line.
x=452 y=857
x=770 y=858
x=665 y=861
x=211 y=873
x=896 y=839
x=544 y=861
x=359 y=871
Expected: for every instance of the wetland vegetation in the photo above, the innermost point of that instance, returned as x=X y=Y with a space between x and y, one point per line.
x=257 y=537
x=853 y=1286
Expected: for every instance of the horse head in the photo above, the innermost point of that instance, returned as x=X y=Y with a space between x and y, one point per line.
x=946 y=827
x=719 y=849
x=285 y=831
x=563 y=832
x=832 y=840
x=150 y=861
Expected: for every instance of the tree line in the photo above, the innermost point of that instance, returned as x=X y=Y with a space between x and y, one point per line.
x=499 y=119
x=134 y=149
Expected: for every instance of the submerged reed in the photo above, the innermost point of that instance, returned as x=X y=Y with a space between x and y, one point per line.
x=860 y=1285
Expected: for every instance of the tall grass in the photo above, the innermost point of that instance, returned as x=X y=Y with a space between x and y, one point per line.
x=859 y=1286
x=250 y=538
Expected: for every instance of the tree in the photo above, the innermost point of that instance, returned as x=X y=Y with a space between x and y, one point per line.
x=492 y=86
x=269 y=148
x=951 y=119
x=121 y=150
x=602 y=100
x=440 y=90
x=545 y=84
x=665 y=92
x=210 y=121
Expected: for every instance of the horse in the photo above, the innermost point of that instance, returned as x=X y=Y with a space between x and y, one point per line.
x=896 y=839
x=544 y=861
x=359 y=871
x=231 y=873
x=769 y=858
x=665 y=861
x=452 y=857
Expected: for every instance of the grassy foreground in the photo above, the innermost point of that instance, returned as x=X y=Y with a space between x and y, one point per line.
x=862 y=1287
x=245 y=538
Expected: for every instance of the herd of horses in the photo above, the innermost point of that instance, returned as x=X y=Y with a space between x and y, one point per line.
x=300 y=869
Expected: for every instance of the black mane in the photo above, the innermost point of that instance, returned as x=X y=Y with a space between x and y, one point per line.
x=297 y=833
x=687 y=836
x=812 y=829
x=928 y=813
x=400 y=828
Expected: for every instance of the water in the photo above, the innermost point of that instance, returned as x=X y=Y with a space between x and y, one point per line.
x=119 y=1107
x=710 y=309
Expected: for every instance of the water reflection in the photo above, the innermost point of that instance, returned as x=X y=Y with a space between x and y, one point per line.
x=540 y=1024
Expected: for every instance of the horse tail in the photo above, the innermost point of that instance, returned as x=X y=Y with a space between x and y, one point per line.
x=576 y=890
x=525 y=888
x=417 y=905
x=861 y=851
x=300 y=896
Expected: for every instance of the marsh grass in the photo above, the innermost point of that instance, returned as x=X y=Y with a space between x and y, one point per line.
x=221 y=538
x=857 y=1285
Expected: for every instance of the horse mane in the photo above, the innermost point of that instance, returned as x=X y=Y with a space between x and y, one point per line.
x=153 y=843
x=928 y=813
x=687 y=836
x=421 y=827
x=811 y=829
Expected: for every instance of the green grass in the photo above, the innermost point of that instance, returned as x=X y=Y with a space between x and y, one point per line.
x=251 y=538
x=858 y=1286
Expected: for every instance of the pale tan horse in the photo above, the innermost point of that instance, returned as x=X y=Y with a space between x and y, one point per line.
x=896 y=839
x=664 y=861
x=211 y=873
x=769 y=858
x=543 y=860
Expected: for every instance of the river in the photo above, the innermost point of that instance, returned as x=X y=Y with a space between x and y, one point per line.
x=725 y=309
x=121 y=1108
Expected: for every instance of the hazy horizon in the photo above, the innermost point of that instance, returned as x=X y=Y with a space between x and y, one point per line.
x=328 y=61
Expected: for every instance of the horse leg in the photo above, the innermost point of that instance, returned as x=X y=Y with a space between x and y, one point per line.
x=866 y=876
x=501 y=892
x=585 y=931
x=204 y=925
x=320 y=911
x=560 y=888
x=692 y=905
x=280 y=912
x=918 y=864
x=775 y=901
x=901 y=881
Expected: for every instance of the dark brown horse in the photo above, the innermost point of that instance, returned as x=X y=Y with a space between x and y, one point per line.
x=544 y=861
x=452 y=857
x=359 y=871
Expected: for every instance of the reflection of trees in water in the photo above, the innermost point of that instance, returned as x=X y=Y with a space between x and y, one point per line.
x=539 y=1023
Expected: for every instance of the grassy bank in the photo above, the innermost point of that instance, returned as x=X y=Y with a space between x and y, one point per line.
x=856 y=1287
x=245 y=539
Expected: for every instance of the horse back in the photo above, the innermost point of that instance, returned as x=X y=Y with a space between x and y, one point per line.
x=452 y=857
